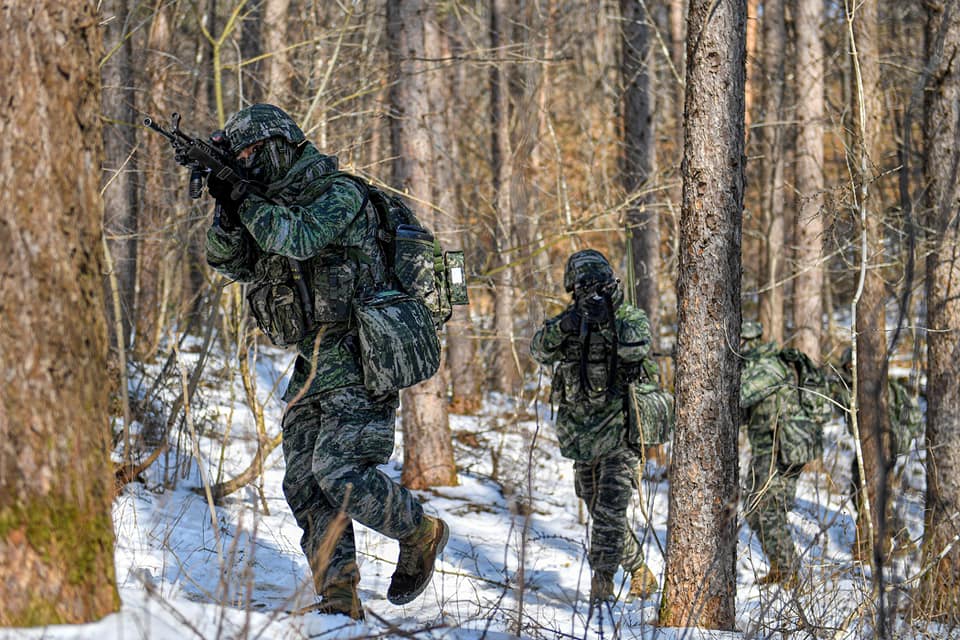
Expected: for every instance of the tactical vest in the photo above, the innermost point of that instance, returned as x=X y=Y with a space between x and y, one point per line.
x=291 y=298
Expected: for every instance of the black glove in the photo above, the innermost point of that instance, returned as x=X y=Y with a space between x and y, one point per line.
x=595 y=309
x=570 y=321
x=221 y=190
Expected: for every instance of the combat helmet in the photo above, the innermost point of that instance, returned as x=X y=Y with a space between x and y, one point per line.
x=750 y=330
x=587 y=267
x=280 y=137
x=260 y=122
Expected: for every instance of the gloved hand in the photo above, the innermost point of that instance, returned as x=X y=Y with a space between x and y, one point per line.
x=570 y=320
x=595 y=309
x=221 y=190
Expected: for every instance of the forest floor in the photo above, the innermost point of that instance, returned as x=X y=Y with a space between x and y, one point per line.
x=515 y=562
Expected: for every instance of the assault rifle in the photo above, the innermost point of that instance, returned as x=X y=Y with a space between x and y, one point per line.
x=214 y=158
x=205 y=159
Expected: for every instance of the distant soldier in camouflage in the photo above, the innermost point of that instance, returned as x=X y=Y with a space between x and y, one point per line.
x=599 y=345
x=309 y=247
x=784 y=433
x=906 y=423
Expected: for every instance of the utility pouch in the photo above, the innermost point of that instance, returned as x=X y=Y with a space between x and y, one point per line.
x=275 y=301
x=455 y=277
x=649 y=415
x=398 y=341
x=413 y=260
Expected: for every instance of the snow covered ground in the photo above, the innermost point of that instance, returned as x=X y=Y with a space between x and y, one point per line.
x=512 y=567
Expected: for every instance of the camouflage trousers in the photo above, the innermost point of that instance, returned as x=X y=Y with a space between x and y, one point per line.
x=772 y=489
x=607 y=484
x=332 y=444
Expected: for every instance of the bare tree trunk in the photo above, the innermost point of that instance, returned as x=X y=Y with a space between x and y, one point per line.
x=158 y=204
x=700 y=581
x=939 y=593
x=428 y=449
x=452 y=223
x=639 y=162
x=56 y=533
x=278 y=71
x=507 y=365
x=752 y=63
x=120 y=163
x=808 y=249
x=252 y=85
x=771 y=182
x=871 y=338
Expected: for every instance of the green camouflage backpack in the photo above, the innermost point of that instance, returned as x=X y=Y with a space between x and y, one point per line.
x=906 y=419
x=800 y=431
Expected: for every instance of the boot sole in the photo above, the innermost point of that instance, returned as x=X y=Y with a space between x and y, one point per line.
x=404 y=598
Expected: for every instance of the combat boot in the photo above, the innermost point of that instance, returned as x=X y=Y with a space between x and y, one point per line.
x=340 y=598
x=601 y=587
x=418 y=555
x=643 y=583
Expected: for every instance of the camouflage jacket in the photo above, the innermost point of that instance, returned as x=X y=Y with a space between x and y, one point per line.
x=765 y=394
x=312 y=215
x=906 y=417
x=592 y=421
x=784 y=402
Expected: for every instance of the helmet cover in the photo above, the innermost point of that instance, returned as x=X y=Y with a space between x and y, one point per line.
x=260 y=122
x=587 y=267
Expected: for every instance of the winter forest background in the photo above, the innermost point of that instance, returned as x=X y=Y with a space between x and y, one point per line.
x=789 y=161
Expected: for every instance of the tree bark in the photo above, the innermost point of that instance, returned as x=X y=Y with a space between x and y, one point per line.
x=452 y=222
x=771 y=135
x=871 y=338
x=507 y=366
x=120 y=164
x=428 y=448
x=56 y=533
x=939 y=593
x=639 y=162
x=808 y=231
x=700 y=582
x=277 y=64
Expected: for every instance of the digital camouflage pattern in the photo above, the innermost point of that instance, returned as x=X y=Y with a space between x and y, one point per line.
x=592 y=422
x=333 y=443
x=592 y=419
x=586 y=267
x=607 y=485
x=260 y=122
x=906 y=422
x=650 y=413
x=314 y=216
x=767 y=396
x=398 y=343
x=337 y=432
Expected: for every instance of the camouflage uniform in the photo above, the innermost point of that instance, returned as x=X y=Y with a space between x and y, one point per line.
x=591 y=420
x=906 y=421
x=766 y=396
x=337 y=432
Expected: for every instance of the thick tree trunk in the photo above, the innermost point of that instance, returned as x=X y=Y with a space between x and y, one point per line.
x=700 y=582
x=56 y=534
x=771 y=136
x=871 y=376
x=639 y=162
x=428 y=449
x=808 y=230
x=939 y=597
